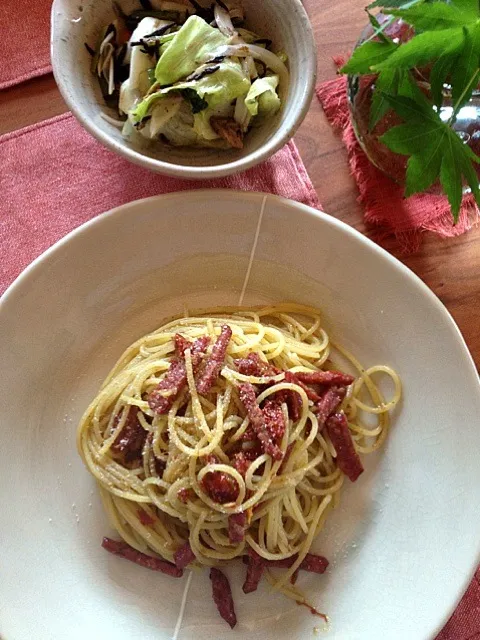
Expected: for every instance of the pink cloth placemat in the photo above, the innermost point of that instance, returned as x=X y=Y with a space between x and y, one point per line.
x=25 y=32
x=54 y=176
x=382 y=199
x=465 y=621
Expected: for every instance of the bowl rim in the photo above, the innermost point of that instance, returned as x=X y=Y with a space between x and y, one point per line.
x=265 y=151
x=23 y=279
x=194 y=194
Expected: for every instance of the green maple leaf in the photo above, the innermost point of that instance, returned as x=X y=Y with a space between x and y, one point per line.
x=422 y=49
x=464 y=68
x=367 y=55
x=389 y=4
x=470 y=8
x=378 y=28
x=451 y=37
x=435 y=150
x=385 y=83
x=438 y=77
x=435 y=17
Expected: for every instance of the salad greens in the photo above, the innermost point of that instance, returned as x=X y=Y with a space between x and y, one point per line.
x=190 y=46
x=176 y=77
x=262 y=96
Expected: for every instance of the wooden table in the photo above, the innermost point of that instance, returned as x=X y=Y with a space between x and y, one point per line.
x=450 y=267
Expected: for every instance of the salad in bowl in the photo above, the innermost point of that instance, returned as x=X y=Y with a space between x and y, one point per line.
x=182 y=74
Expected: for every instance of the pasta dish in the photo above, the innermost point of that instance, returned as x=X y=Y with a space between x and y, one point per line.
x=228 y=436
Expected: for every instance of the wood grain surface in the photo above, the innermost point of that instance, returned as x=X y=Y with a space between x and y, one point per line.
x=451 y=268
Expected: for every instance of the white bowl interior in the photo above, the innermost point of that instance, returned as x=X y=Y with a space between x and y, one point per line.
x=75 y=22
x=404 y=541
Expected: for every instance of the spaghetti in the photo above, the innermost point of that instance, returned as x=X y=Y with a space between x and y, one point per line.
x=227 y=435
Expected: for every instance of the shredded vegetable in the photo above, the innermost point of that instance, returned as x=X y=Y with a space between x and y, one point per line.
x=184 y=73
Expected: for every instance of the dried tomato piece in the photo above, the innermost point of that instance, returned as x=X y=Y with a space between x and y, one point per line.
x=312 y=563
x=274 y=420
x=311 y=393
x=253 y=365
x=145 y=518
x=220 y=486
x=329 y=403
x=255 y=568
x=236 y=527
x=181 y=345
x=215 y=362
x=222 y=596
x=130 y=441
x=197 y=348
x=184 y=556
x=325 y=377
x=167 y=391
x=124 y=550
x=347 y=457
x=184 y=495
x=257 y=420
x=241 y=463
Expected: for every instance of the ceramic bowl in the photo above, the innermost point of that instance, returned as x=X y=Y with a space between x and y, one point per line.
x=285 y=22
x=403 y=543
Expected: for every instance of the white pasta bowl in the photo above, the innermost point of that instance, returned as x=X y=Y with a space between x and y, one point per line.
x=285 y=22
x=404 y=542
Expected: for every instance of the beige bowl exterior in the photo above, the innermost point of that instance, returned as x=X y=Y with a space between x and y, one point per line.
x=75 y=22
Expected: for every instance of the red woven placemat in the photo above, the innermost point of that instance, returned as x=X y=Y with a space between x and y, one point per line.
x=25 y=30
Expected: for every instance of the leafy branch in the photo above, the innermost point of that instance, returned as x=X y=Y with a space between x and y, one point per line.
x=446 y=48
